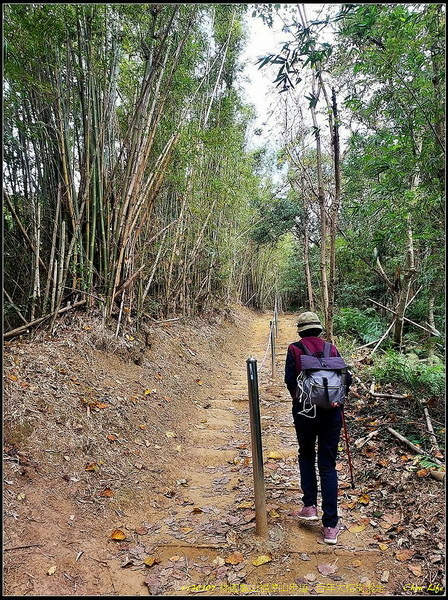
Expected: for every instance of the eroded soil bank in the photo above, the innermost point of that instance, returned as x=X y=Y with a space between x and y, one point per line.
x=148 y=442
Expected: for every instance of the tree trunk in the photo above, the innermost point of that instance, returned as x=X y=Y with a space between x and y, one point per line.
x=323 y=220
x=405 y=286
x=306 y=261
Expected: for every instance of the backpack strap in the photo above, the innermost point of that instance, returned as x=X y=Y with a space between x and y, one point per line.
x=327 y=350
x=302 y=346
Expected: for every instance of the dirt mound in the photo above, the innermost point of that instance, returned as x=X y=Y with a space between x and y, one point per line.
x=95 y=428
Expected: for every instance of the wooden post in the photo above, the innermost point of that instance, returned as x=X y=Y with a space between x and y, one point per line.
x=273 y=366
x=257 y=452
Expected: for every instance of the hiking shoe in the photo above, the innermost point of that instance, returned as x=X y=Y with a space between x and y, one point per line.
x=331 y=534
x=308 y=513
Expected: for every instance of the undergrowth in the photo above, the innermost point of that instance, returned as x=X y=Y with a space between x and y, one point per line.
x=411 y=374
x=364 y=325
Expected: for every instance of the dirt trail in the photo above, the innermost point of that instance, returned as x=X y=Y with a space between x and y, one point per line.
x=195 y=517
x=219 y=486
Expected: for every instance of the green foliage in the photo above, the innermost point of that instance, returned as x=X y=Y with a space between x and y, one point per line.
x=415 y=376
x=364 y=325
x=276 y=218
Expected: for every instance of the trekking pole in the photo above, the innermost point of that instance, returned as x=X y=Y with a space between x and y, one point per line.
x=348 y=448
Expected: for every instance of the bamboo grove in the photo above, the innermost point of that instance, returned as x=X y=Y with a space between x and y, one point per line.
x=127 y=182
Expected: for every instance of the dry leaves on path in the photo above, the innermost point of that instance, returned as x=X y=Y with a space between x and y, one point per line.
x=327 y=569
x=262 y=559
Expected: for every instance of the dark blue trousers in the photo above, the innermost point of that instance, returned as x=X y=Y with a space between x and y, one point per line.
x=326 y=429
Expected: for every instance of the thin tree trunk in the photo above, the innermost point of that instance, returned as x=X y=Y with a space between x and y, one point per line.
x=306 y=260
x=323 y=219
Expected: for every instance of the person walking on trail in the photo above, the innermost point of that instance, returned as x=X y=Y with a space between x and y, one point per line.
x=323 y=424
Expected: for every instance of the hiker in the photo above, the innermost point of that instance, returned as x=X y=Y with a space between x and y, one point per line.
x=316 y=422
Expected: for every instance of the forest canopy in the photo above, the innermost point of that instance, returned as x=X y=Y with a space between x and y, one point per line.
x=130 y=187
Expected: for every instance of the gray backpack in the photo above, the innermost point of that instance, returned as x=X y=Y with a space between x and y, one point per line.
x=322 y=381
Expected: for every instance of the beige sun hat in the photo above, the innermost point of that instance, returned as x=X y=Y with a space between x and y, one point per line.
x=308 y=320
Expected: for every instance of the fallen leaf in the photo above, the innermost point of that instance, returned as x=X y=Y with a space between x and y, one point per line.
x=51 y=570
x=107 y=493
x=274 y=514
x=170 y=434
x=12 y=377
x=403 y=555
x=197 y=509
x=186 y=529
x=304 y=556
x=141 y=530
x=383 y=547
x=389 y=520
x=235 y=558
x=364 y=499
x=385 y=577
x=219 y=561
x=117 y=534
x=112 y=438
x=327 y=569
x=21 y=496
x=423 y=473
x=416 y=570
x=310 y=577
x=151 y=560
x=247 y=504
x=101 y=405
x=142 y=426
x=356 y=563
x=356 y=528
x=275 y=455
x=92 y=467
x=199 y=382
x=261 y=560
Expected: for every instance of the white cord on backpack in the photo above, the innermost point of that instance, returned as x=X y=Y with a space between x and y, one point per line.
x=304 y=397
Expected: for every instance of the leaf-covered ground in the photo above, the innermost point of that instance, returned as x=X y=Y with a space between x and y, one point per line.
x=127 y=471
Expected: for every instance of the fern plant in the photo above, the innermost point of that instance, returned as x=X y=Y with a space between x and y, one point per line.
x=413 y=375
x=364 y=325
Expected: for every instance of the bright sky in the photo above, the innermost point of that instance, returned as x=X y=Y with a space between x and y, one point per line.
x=259 y=89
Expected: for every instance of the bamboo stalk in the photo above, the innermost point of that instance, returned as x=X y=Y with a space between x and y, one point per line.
x=22 y=229
x=405 y=318
x=11 y=301
x=435 y=445
x=36 y=284
x=23 y=328
x=55 y=284
x=52 y=252
x=413 y=446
